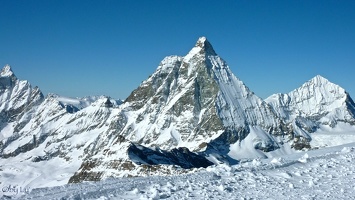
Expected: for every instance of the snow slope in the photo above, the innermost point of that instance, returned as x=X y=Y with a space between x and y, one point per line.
x=317 y=174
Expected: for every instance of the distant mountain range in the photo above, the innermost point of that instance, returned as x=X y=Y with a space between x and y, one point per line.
x=191 y=112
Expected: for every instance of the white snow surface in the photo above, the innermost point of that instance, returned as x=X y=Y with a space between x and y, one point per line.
x=318 y=174
x=326 y=136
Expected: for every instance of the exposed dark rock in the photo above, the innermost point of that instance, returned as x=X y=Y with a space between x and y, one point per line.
x=85 y=174
x=180 y=156
x=301 y=143
x=108 y=103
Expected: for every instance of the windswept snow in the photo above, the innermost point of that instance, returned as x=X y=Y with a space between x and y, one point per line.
x=327 y=137
x=317 y=174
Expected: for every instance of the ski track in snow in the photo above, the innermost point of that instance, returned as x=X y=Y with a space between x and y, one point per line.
x=318 y=174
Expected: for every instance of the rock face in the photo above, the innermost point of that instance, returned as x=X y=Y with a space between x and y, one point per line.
x=191 y=112
x=181 y=157
x=193 y=99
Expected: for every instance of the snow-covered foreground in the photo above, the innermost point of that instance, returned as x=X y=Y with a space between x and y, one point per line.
x=318 y=174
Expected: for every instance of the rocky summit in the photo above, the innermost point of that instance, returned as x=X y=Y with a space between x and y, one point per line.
x=191 y=112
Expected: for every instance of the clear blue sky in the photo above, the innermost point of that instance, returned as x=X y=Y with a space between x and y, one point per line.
x=80 y=48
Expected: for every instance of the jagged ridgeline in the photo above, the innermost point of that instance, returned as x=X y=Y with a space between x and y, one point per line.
x=191 y=112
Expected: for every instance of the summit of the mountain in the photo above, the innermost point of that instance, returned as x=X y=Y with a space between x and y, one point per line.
x=318 y=79
x=319 y=84
x=205 y=46
x=201 y=50
x=17 y=98
x=6 y=71
x=7 y=77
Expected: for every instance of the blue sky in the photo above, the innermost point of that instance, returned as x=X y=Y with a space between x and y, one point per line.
x=80 y=48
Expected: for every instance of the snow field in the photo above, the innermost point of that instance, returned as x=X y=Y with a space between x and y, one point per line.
x=317 y=174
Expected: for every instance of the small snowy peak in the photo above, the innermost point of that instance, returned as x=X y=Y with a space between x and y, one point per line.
x=321 y=85
x=16 y=96
x=204 y=44
x=7 y=78
x=6 y=71
x=316 y=92
x=319 y=93
x=202 y=39
x=202 y=47
x=319 y=80
x=201 y=42
x=317 y=101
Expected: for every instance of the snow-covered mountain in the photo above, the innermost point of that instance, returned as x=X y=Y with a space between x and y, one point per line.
x=17 y=102
x=316 y=102
x=191 y=100
x=191 y=112
x=317 y=106
x=191 y=103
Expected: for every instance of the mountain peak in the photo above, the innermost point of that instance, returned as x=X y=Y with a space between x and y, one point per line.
x=319 y=80
x=321 y=83
x=205 y=46
x=202 y=46
x=201 y=41
x=6 y=71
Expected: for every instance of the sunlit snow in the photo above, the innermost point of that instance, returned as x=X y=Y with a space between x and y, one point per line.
x=317 y=174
